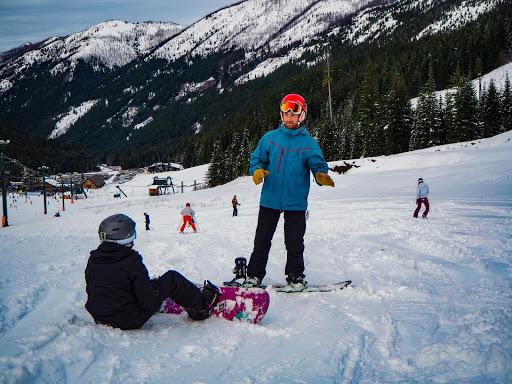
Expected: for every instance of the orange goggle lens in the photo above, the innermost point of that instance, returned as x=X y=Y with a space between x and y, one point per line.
x=295 y=108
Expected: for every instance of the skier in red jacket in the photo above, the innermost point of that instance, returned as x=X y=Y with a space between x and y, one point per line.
x=188 y=218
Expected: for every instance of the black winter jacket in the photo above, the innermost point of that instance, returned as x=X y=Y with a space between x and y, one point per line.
x=119 y=290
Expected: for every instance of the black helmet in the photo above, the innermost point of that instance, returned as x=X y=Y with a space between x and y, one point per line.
x=118 y=229
x=420 y=180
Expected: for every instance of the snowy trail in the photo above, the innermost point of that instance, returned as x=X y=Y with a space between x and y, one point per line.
x=430 y=300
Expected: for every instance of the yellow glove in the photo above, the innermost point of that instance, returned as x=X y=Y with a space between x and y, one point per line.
x=258 y=175
x=324 y=179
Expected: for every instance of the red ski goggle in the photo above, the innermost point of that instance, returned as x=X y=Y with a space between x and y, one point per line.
x=295 y=108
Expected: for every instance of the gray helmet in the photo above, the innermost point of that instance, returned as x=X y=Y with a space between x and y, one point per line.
x=118 y=229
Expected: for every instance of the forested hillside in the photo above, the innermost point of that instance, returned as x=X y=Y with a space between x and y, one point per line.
x=214 y=107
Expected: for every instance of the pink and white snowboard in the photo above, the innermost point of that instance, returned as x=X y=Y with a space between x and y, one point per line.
x=236 y=304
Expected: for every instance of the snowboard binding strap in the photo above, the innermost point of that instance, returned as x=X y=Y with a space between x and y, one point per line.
x=240 y=272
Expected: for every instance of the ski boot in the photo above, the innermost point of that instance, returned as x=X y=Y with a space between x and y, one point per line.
x=210 y=297
x=297 y=282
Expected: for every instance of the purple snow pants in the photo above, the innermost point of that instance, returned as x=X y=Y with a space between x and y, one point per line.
x=423 y=200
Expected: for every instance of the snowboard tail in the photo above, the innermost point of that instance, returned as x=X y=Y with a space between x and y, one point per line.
x=236 y=304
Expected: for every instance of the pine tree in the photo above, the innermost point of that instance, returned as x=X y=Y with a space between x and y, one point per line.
x=369 y=114
x=506 y=107
x=427 y=128
x=236 y=158
x=245 y=153
x=356 y=141
x=491 y=113
x=398 y=118
x=344 y=122
x=464 y=125
x=215 y=174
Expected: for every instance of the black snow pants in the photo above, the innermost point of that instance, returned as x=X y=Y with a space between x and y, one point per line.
x=175 y=286
x=294 y=230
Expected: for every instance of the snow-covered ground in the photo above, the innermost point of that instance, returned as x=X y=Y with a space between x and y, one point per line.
x=430 y=300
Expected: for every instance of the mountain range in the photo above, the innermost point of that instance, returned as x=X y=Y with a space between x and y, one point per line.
x=146 y=87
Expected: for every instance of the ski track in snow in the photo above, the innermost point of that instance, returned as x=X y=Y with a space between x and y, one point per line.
x=430 y=300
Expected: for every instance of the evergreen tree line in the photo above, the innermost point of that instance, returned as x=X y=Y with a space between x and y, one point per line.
x=385 y=123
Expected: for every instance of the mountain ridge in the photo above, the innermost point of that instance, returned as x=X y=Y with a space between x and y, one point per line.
x=158 y=87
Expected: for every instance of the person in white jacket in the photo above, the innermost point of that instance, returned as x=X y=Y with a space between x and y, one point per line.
x=421 y=198
x=188 y=217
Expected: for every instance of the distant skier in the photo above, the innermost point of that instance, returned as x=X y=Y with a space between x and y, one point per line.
x=284 y=158
x=57 y=214
x=146 y=217
x=188 y=217
x=421 y=198
x=235 y=206
x=119 y=290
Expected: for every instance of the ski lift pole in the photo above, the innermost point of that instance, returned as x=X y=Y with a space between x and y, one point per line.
x=5 y=222
x=63 y=207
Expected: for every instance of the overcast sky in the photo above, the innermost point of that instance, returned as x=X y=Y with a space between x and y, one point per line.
x=23 y=21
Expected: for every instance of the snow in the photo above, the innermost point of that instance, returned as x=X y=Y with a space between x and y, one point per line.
x=430 y=300
x=253 y=24
x=375 y=21
x=110 y=44
x=463 y=14
x=67 y=120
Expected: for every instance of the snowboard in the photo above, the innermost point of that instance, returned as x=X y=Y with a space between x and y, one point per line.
x=236 y=304
x=310 y=288
x=313 y=287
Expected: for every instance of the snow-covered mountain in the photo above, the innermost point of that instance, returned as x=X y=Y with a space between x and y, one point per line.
x=137 y=79
x=110 y=44
x=249 y=25
x=255 y=24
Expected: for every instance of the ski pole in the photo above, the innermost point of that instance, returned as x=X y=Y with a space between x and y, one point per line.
x=195 y=222
x=181 y=221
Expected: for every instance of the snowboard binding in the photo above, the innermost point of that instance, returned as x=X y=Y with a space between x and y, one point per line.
x=240 y=272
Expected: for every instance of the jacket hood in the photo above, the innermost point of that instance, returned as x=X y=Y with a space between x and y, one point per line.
x=108 y=252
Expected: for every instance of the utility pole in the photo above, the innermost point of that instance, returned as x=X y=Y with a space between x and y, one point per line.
x=327 y=80
x=5 y=222
x=44 y=169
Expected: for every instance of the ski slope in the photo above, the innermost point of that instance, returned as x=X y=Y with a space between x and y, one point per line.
x=430 y=300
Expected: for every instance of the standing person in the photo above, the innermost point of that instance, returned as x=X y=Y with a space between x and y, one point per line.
x=421 y=197
x=146 y=217
x=119 y=290
x=235 y=206
x=188 y=217
x=283 y=160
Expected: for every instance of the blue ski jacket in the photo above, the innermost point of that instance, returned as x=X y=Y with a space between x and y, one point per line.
x=289 y=155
